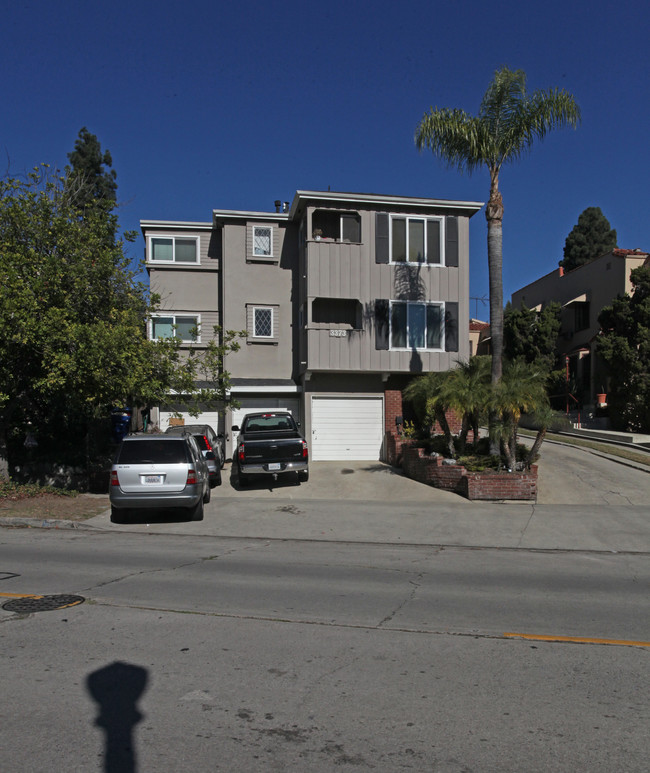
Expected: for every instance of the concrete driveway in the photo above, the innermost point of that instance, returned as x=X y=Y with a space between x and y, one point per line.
x=347 y=481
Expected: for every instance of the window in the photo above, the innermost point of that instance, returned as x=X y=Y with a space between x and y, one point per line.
x=262 y=241
x=187 y=328
x=341 y=312
x=581 y=319
x=416 y=240
x=415 y=325
x=173 y=249
x=262 y=323
x=336 y=226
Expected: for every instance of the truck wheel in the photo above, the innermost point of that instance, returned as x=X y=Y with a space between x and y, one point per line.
x=196 y=513
x=243 y=479
x=303 y=476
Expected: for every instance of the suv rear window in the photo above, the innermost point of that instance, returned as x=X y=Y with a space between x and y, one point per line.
x=154 y=451
x=202 y=442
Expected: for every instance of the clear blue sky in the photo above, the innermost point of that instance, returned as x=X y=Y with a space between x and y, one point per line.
x=232 y=105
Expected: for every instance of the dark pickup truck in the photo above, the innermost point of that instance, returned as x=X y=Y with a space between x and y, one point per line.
x=270 y=444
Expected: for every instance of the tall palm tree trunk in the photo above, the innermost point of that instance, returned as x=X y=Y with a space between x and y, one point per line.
x=494 y=217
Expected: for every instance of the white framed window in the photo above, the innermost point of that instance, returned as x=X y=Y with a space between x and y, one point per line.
x=262 y=322
x=416 y=325
x=173 y=249
x=416 y=239
x=184 y=326
x=263 y=241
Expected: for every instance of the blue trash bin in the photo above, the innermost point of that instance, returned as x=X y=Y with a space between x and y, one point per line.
x=120 y=423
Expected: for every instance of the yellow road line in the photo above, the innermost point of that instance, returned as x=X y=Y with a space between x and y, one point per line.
x=577 y=639
x=20 y=596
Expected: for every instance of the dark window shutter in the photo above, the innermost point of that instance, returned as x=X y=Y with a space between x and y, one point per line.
x=433 y=241
x=451 y=326
x=451 y=241
x=382 y=326
x=382 y=251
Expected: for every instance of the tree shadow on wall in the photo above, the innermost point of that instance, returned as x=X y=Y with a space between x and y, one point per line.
x=117 y=689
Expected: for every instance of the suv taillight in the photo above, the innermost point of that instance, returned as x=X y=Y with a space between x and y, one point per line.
x=207 y=443
x=305 y=450
x=114 y=479
x=240 y=452
x=191 y=477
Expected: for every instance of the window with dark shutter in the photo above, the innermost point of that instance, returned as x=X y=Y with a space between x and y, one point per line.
x=382 y=325
x=451 y=326
x=451 y=241
x=382 y=244
x=433 y=241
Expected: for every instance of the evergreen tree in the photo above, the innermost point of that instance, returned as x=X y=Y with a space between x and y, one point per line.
x=589 y=239
x=91 y=170
x=624 y=344
x=531 y=336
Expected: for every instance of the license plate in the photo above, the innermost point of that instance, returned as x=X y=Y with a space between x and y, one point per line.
x=153 y=478
x=275 y=466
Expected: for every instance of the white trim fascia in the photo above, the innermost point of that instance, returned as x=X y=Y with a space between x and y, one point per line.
x=388 y=201
x=244 y=215
x=295 y=389
x=175 y=224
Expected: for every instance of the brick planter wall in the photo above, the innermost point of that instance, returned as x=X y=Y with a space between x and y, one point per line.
x=488 y=485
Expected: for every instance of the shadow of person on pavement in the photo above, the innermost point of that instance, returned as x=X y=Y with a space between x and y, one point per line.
x=117 y=689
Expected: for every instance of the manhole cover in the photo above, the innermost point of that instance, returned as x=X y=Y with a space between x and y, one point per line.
x=42 y=603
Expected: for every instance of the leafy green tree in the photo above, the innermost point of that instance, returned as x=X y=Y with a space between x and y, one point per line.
x=590 y=238
x=624 y=345
x=532 y=335
x=92 y=171
x=509 y=120
x=73 y=318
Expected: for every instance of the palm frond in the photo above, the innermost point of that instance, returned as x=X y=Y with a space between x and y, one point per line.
x=455 y=137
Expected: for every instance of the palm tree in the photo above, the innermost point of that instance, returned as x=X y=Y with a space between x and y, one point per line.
x=466 y=390
x=521 y=390
x=428 y=395
x=508 y=122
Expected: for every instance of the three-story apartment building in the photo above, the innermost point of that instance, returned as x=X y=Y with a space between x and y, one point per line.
x=345 y=297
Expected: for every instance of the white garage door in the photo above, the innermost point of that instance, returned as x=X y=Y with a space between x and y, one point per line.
x=260 y=405
x=347 y=428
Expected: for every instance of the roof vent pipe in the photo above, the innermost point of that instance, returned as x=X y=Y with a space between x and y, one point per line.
x=285 y=208
x=278 y=204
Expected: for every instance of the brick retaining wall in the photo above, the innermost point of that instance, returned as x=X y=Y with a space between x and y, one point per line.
x=488 y=485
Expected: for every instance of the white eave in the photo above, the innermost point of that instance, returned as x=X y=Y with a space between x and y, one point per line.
x=225 y=214
x=578 y=299
x=386 y=201
x=174 y=225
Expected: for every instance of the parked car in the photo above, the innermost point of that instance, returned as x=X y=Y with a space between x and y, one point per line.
x=270 y=443
x=158 y=472
x=214 y=466
x=214 y=442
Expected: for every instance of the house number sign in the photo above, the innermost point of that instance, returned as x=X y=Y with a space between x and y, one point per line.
x=338 y=333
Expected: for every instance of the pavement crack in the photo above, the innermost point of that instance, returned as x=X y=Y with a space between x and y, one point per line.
x=525 y=529
x=415 y=586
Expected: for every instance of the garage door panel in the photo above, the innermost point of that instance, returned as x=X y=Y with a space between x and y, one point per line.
x=347 y=428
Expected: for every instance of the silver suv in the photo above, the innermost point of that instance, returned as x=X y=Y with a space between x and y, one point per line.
x=156 y=472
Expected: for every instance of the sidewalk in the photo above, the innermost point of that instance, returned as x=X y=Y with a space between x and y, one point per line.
x=587 y=502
